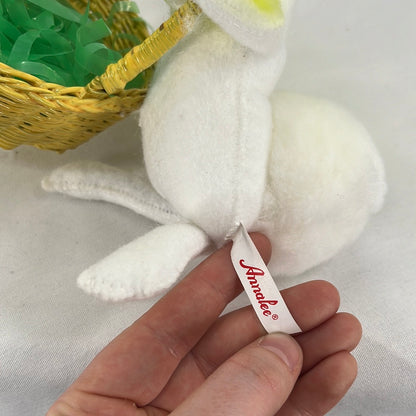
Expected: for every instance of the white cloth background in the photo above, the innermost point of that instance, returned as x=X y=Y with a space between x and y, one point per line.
x=358 y=53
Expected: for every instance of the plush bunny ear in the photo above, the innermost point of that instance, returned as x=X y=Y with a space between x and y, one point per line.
x=256 y=24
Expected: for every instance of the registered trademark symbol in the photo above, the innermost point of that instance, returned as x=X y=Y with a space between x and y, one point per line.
x=275 y=317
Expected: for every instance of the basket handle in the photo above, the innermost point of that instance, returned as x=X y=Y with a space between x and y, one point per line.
x=142 y=56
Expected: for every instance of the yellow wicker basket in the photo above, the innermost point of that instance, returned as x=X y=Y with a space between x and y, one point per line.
x=53 y=117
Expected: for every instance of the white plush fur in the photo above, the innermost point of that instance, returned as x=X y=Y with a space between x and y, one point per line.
x=222 y=147
x=206 y=128
x=249 y=24
x=325 y=178
x=146 y=266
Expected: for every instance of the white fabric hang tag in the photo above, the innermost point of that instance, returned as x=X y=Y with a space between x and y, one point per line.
x=259 y=285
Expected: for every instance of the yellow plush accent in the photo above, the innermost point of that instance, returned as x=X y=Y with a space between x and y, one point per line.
x=271 y=7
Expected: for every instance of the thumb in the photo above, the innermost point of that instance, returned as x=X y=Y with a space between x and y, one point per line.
x=257 y=380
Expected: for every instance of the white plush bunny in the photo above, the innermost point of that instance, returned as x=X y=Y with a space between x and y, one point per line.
x=221 y=147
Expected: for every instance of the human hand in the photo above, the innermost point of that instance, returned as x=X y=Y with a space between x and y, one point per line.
x=181 y=359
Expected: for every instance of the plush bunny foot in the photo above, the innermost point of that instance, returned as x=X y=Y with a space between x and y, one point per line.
x=97 y=181
x=325 y=180
x=147 y=266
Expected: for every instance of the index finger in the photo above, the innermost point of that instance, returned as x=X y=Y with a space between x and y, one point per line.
x=156 y=343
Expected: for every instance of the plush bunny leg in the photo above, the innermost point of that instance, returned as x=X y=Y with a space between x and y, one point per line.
x=97 y=181
x=325 y=179
x=147 y=266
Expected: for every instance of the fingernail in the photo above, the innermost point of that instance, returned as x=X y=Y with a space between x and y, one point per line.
x=284 y=346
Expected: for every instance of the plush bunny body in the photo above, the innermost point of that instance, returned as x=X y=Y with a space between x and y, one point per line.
x=207 y=152
x=221 y=147
x=325 y=179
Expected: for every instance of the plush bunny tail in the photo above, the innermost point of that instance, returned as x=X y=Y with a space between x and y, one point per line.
x=147 y=266
x=96 y=181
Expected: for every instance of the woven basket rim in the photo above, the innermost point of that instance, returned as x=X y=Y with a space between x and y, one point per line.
x=22 y=81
